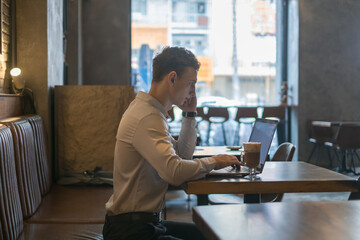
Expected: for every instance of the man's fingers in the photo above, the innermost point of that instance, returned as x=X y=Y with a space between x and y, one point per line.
x=235 y=161
x=223 y=160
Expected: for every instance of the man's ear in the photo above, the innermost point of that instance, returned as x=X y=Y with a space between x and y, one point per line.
x=172 y=77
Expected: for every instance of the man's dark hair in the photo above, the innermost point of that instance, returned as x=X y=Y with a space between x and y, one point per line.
x=173 y=59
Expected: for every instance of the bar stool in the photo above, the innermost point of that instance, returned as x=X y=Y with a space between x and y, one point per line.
x=217 y=115
x=320 y=132
x=347 y=142
x=200 y=117
x=274 y=112
x=244 y=115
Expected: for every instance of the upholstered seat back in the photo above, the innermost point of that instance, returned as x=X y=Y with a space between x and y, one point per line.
x=42 y=161
x=26 y=169
x=11 y=217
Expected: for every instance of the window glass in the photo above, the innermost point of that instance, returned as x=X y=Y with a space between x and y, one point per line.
x=235 y=41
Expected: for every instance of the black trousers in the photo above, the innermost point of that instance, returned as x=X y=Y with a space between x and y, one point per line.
x=119 y=229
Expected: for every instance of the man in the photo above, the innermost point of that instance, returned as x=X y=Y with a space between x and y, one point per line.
x=147 y=158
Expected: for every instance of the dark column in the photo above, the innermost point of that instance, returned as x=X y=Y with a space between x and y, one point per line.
x=106 y=42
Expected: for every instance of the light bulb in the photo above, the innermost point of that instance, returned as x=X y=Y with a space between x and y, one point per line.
x=15 y=72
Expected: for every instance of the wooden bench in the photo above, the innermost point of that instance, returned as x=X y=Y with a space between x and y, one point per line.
x=32 y=206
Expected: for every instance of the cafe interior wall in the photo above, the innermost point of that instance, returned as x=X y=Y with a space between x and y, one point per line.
x=106 y=42
x=98 y=42
x=39 y=48
x=329 y=60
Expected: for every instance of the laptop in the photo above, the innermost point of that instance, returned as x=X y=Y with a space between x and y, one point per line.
x=263 y=131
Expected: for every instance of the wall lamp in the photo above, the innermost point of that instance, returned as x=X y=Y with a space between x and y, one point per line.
x=18 y=83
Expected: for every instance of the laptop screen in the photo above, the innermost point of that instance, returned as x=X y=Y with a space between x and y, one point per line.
x=263 y=131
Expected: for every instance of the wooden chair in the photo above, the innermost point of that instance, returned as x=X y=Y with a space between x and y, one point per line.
x=284 y=152
x=244 y=115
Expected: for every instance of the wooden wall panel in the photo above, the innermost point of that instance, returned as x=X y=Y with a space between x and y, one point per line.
x=11 y=105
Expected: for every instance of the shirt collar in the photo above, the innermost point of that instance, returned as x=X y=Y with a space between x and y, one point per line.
x=152 y=101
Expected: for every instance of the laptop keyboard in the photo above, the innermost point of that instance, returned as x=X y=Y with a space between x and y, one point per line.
x=232 y=169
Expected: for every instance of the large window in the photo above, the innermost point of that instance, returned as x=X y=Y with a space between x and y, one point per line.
x=235 y=41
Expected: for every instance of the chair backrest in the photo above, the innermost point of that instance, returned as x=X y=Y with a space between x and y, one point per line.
x=11 y=218
x=218 y=112
x=42 y=160
x=246 y=112
x=348 y=136
x=26 y=166
x=320 y=131
x=284 y=152
x=200 y=114
x=274 y=112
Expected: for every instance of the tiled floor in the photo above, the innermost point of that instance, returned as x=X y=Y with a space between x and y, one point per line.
x=179 y=206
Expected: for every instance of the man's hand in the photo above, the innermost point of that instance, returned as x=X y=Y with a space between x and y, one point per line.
x=190 y=104
x=223 y=160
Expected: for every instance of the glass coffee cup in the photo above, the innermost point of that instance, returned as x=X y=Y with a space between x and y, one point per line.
x=252 y=156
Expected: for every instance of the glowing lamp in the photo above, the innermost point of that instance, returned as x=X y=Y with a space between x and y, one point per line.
x=18 y=84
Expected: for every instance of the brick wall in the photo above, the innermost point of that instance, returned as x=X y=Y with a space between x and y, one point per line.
x=5 y=64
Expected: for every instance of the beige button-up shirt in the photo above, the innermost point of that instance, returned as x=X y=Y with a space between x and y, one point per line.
x=147 y=158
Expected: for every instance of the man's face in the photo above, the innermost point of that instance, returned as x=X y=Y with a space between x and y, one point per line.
x=185 y=86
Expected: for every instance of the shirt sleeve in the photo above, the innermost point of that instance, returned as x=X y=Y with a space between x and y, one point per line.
x=185 y=145
x=153 y=141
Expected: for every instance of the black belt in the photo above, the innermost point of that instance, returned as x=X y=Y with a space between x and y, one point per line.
x=135 y=217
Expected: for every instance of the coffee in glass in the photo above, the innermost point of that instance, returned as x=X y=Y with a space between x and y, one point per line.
x=252 y=156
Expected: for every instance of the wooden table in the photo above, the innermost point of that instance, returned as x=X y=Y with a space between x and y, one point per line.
x=209 y=151
x=280 y=221
x=277 y=177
